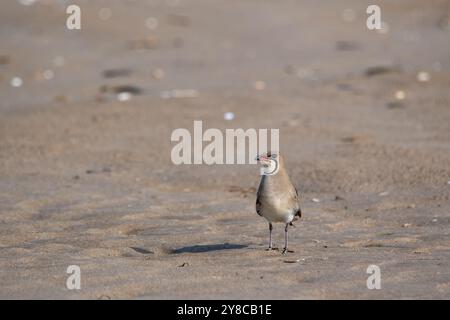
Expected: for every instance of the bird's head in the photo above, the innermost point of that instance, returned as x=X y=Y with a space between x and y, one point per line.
x=270 y=162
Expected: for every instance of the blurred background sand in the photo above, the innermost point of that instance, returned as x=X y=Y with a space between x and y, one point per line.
x=86 y=176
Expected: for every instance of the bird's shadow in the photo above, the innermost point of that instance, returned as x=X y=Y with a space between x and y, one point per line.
x=209 y=248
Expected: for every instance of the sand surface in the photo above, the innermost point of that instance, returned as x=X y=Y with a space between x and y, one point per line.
x=88 y=180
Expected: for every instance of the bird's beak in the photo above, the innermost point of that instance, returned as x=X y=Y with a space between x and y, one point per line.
x=261 y=159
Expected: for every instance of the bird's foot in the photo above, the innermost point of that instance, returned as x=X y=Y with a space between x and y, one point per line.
x=285 y=250
x=272 y=248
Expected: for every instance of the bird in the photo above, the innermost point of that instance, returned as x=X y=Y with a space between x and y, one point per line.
x=277 y=199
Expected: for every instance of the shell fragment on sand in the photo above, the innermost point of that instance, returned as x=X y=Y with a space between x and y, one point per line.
x=400 y=94
x=423 y=76
x=124 y=96
x=16 y=82
x=228 y=116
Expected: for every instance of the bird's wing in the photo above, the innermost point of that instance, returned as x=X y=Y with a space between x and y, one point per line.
x=258 y=206
x=295 y=203
x=258 y=200
x=259 y=195
x=293 y=194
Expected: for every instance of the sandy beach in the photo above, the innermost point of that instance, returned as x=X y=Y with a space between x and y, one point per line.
x=86 y=176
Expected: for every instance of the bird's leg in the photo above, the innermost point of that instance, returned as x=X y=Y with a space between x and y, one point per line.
x=270 y=236
x=285 y=249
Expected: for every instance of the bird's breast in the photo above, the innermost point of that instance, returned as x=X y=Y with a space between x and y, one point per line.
x=275 y=209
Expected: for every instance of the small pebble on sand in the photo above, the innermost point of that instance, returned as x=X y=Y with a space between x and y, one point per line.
x=315 y=200
x=131 y=89
x=423 y=76
x=124 y=96
x=400 y=95
x=406 y=225
x=184 y=264
x=16 y=82
x=381 y=69
x=292 y=261
x=228 y=116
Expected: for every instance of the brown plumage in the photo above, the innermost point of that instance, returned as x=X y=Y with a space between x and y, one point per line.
x=277 y=199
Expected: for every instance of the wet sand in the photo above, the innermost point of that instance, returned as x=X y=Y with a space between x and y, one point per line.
x=87 y=180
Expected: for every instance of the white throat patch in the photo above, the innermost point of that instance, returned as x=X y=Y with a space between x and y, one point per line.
x=271 y=169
